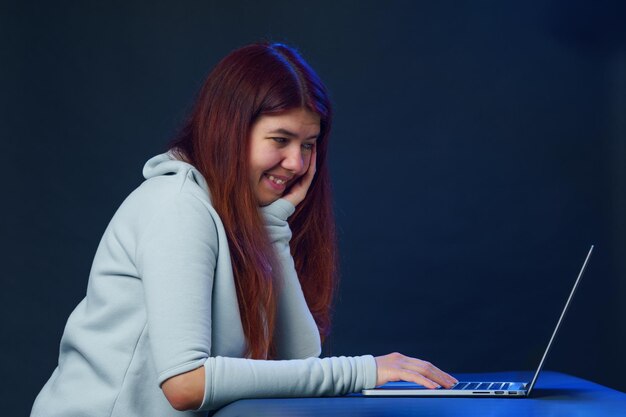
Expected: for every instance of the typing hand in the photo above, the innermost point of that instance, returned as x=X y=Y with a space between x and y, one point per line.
x=397 y=367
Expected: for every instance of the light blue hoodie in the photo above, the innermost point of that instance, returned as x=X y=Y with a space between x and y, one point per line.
x=161 y=301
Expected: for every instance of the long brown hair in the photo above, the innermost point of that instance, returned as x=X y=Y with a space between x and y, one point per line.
x=252 y=81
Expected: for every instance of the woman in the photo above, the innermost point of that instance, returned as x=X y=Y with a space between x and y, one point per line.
x=220 y=263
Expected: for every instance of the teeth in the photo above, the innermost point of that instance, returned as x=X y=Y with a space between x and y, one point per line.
x=276 y=180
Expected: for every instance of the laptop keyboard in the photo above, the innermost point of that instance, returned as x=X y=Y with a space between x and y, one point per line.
x=482 y=385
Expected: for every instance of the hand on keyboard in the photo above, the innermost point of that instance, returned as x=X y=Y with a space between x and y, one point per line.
x=397 y=367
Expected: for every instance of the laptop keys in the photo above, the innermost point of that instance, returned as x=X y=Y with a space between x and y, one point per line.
x=482 y=386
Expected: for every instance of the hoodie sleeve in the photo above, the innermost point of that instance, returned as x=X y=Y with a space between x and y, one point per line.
x=296 y=334
x=230 y=379
x=176 y=258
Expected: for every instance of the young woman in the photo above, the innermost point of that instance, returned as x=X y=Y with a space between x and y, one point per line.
x=214 y=279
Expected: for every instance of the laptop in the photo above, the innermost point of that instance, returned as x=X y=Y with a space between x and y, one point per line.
x=474 y=388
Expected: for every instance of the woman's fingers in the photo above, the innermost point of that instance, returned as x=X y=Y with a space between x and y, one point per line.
x=430 y=371
x=312 y=164
x=395 y=367
x=413 y=376
x=307 y=178
x=298 y=191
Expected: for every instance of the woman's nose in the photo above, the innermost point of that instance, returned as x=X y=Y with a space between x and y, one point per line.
x=293 y=160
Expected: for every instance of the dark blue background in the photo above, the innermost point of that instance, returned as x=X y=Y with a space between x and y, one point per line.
x=479 y=149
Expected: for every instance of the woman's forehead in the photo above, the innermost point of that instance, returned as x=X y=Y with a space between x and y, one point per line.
x=300 y=122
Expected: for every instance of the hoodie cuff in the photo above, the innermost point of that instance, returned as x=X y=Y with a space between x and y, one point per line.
x=371 y=372
x=280 y=209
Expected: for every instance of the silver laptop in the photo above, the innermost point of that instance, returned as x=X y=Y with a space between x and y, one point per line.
x=478 y=389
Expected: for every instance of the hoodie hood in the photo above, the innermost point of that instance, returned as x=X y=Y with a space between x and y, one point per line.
x=167 y=164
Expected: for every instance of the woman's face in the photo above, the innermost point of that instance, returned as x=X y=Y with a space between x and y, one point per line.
x=280 y=151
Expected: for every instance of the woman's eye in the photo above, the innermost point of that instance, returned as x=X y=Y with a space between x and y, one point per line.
x=308 y=146
x=279 y=140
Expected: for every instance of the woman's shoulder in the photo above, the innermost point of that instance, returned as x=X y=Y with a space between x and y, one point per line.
x=170 y=187
x=167 y=177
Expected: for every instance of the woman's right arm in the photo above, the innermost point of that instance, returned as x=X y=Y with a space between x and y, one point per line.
x=296 y=335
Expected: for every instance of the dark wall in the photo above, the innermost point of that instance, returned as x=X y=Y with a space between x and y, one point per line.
x=478 y=150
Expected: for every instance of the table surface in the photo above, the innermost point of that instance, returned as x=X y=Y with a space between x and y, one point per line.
x=555 y=394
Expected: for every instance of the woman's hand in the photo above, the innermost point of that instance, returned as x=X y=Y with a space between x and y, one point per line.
x=298 y=190
x=397 y=367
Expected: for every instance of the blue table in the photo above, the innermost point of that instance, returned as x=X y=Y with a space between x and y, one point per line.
x=555 y=394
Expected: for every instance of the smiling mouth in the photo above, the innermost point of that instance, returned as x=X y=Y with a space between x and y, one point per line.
x=276 y=180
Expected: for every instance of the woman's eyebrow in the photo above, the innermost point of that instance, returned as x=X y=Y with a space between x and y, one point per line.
x=286 y=132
